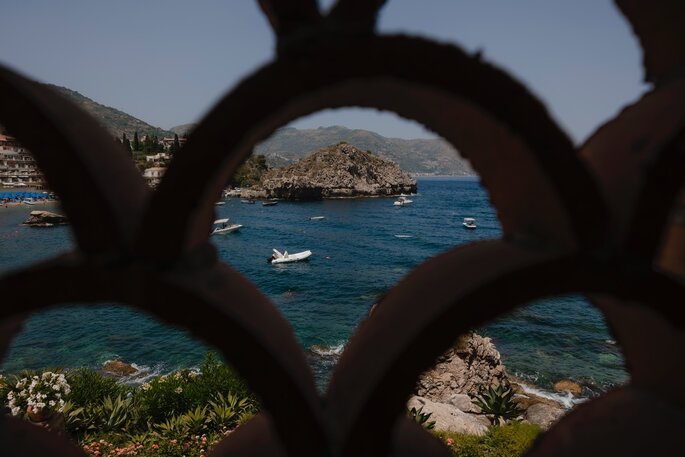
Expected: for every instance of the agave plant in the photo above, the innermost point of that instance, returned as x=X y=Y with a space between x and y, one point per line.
x=421 y=418
x=499 y=403
x=196 y=420
x=116 y=414
x=226 y=411
x=174 y=428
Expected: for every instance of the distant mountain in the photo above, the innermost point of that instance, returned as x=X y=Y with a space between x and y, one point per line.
x=417 y=157
x=117 y=122
x=183 y=129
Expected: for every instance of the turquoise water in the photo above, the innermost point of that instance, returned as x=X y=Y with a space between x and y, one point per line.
x=357 y=258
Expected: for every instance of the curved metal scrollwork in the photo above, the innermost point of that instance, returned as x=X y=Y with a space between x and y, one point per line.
x=545 y=190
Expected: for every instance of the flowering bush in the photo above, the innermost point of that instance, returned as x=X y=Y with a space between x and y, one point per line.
x=38 y=396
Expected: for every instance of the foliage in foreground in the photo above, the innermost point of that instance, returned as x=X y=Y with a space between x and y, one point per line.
x=511 y=440
x=499 y=403
x=421 y=418
x=183 y=413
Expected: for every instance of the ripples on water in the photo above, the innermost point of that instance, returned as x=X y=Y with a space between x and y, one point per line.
x=360 y=249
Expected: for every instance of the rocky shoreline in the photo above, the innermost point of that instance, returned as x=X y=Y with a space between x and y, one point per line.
x=339 y=171
x=473 y=364
x=447 y=391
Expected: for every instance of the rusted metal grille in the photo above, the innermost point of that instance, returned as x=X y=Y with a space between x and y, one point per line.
x=605 y=220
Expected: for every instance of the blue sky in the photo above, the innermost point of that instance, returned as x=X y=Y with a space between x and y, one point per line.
x=168 y=61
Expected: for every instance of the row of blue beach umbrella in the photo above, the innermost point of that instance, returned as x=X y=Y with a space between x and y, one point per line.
x=22 y=195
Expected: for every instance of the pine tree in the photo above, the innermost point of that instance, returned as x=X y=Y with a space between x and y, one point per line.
x=136 y=142
x=126 y=143
x=176 y=145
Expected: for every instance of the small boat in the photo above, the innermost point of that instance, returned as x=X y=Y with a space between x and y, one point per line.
x=469 y=223
x=223 y=227
x=404 y=236
x=248 y=201
x=277 y=257
x=401 y=201
x=270 y=203
x=316 y=218
x=220 y=203
x=28 y=201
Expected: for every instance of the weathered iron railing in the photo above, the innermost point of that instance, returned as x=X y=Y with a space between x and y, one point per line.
x=605 y=219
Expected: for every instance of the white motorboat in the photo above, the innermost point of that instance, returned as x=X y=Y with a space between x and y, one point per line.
x=469 y=223
x=401 y=201
x=316 y=218
x=222 y=227
x=220 y=203
x=277 y=257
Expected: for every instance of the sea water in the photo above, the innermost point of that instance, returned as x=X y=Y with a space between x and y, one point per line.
x=361 y=247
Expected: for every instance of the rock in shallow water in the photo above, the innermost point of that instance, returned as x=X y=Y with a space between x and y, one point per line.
x=45 y=219
x=567 y=385
x=118 y=368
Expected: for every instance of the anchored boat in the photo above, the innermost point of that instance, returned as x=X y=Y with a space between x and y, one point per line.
x=277 y=257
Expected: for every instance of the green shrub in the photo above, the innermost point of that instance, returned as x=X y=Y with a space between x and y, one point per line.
x=498 y=402
x=511 y=440
x=91 y=387
x=217 y=377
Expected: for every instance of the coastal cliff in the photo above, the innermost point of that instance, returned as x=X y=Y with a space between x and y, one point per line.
x=337 y=171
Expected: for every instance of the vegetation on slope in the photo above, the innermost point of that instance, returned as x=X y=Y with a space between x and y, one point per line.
x=115 y=121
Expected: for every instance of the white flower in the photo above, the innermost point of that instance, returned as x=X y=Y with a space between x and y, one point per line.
x=16 y=410
x=178 y=390
x=146 y=386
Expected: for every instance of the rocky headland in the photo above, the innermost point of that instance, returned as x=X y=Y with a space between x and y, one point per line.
x=339 y=171
x=473 y=364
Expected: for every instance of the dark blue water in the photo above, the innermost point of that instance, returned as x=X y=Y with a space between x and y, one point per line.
x=357 y=258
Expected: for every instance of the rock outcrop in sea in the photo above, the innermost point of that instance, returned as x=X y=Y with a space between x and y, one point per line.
x=45 y=219
x=337 y=171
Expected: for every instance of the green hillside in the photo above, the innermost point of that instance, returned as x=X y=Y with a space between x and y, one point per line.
x=117 y=122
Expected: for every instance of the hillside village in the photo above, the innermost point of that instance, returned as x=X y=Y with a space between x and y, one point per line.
x=18 y=168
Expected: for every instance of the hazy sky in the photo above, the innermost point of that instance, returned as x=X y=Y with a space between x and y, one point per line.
x=168 y=61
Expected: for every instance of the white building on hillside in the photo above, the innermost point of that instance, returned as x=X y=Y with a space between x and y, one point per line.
x=17 y=166
x=153 y=175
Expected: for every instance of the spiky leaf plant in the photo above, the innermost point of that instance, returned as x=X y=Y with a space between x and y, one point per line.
x=499 y=403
